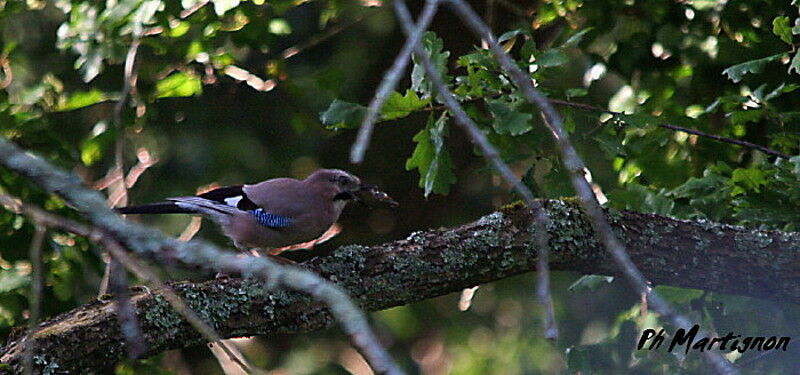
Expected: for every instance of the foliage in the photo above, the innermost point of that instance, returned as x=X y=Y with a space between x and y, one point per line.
x=234 y=91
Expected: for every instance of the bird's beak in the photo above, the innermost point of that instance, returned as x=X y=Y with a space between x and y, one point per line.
x=369 y=194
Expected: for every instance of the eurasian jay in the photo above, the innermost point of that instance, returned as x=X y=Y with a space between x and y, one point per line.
x=273 y=213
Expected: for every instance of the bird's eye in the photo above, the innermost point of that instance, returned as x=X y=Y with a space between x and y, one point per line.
x=344 y=180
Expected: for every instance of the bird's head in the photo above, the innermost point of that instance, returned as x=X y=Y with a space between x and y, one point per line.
x=335 y=184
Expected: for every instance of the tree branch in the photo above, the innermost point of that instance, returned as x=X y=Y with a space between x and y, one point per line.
x=153 y=245
x=705 y=255
x=738 y=142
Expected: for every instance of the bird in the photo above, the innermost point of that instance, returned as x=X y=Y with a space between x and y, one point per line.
x=270 y=214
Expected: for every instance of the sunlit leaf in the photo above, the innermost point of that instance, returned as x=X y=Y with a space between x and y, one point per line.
x=82 y=99
x=91 y=151
x=781 y=28
x=179 y=84
x=748 y=179
x=398 y=106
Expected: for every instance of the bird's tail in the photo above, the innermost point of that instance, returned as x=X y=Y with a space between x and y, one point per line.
x=154 y=208
x=183 y=205
x=213 y=209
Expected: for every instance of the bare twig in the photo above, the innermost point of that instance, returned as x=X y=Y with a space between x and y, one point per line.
x=118 y=191
x=490 y=153
x=146 y=274
x=36 y=293
x=126 y=314
x=390 y=80
x=123 y=258
x=738 y=142
x=317 y=39
x=154 y=245
x=541 y=222
x=576 y=167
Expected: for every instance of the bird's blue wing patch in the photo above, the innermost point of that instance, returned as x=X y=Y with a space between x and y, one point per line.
x=269 y=220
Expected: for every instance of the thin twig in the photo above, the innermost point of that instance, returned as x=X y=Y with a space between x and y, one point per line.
x=738 y=142
x=153 y=245
x=390 y=80
x=126 y=313
x=576 y=167
x=36 y=294
x=541 y=222
x=118 y=252
x=145 y=273
x=541 y=219
x=118 y=191
x=317 y=39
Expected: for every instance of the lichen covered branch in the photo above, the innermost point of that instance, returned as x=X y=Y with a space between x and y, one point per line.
x=703 y=255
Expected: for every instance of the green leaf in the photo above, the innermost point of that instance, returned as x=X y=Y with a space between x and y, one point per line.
x=575 y=38
x=749 y=179
x=431 y=158
x=343 y=115
x=576 y=92
x=82 y=99
x=508 y=118
x=433 y=46
x=179 y=84
x=780 y=90
x=91 y=151
x=736 y=73
x=795 y=64
x=611 y=145
x=746 y=116
x=399 y=106
x=510 y=34
x=780 y=27
x=180 y=29
x=639 y=198
x=552 y=57
x=639 y=120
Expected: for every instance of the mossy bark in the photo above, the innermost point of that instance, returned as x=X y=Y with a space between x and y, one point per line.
x=703 y=255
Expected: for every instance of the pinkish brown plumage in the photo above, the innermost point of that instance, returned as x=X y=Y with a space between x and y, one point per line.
x=273 y=213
